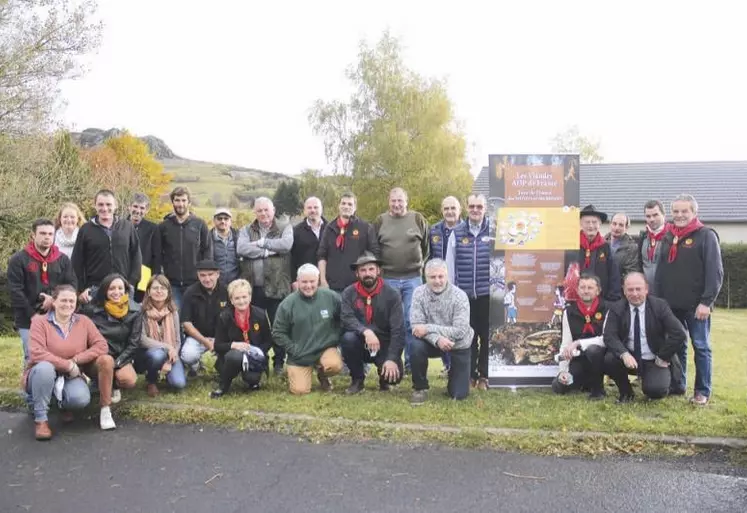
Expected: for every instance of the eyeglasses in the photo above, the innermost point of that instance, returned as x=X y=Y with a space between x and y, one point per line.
x=476 y=207
x=222 y=218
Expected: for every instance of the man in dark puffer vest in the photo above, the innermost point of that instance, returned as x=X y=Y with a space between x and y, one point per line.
x=582 y=349
x=468 y=262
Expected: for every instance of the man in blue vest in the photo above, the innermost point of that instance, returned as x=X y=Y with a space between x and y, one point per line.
x=438 y=239
x=468 y=261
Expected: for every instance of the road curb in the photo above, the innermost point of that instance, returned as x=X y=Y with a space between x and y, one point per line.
x=698 y=441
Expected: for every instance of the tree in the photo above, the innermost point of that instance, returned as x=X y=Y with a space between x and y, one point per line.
x=327 y=188
x=287 y=199
x=40 y=42
x=397 y=129
x=571 y=141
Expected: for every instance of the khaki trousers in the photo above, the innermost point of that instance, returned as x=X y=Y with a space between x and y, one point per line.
x=299 y=378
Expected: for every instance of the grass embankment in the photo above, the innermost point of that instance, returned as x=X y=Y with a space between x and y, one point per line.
x=335 y=415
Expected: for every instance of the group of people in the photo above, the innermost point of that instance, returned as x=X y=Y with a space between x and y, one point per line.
x=671 y=275
x=322 y=295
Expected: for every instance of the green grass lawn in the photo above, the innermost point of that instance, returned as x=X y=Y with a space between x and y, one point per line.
x=525 y=408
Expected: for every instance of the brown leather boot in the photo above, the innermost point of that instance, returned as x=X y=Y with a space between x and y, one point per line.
x=42 y=431
x=152 y=390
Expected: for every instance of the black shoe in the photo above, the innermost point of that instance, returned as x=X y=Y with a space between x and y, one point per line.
x=597 y=394
x=356 y=387
x=626 y=398
x=677 y=391
x=278 y=371
x=384 y=386
x=218 y=392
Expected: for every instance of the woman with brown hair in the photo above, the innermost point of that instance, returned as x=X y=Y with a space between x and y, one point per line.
x=69 y=219
x=121 y=325
x=161 y=338
x=63 y=345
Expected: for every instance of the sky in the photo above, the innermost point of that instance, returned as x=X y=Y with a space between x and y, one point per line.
x=233 y=81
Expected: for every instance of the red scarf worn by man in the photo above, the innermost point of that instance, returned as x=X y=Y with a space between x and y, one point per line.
x=681 y=234
x=589 y=246
x=368 y=296
x=654 y=239
x=44 y=261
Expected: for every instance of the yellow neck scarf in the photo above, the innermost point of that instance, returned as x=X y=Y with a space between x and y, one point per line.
x=118 y=309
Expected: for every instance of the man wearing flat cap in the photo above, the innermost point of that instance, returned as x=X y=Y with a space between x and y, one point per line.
x=201 y=306
x=373 y=325
x=223 y=249
x=595 y=254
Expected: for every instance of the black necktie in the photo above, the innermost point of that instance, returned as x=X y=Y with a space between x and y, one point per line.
x=637 y=338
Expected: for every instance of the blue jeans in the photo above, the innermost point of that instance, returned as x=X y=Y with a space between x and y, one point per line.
x=459 y=373
x=40 y=385
x=24 y=334
x=151 y=361
x=700 y=336
x=192 y=351
x=405 y=287
x=177 y=293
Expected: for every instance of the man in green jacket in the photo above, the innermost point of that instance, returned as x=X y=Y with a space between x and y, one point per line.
x=307 y=326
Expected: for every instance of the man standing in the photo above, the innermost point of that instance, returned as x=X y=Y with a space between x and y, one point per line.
x=403 y=241
x=440 y=322
x=689 y=277
x=623 y=247
x=468 y=262
x=373 y=326
x=224 y=239
x=201 y=307
x=147 y=233
x=184 y=241
x=306 y=235
x=265 y=246
x=649 y=243
x=307 y=326
x=642 y=337
x=345 y=239
x=106 y=244
x=595 y=254
x=582 y=348
x=33 y=273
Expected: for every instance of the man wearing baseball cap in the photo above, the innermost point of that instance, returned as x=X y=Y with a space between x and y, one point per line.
x=373 y=325
x=224 y=238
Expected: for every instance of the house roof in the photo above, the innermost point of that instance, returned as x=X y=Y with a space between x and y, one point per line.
x=720 y=188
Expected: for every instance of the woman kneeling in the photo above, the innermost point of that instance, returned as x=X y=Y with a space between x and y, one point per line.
x=121 y=326
x=63 y=346
x=161 y=339
x=242 y=339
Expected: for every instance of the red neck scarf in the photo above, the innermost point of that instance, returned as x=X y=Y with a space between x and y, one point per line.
x=342 y=225
x=588 y=313
x=681 y=233
x=52 y=256
x=368 y=296
x=242 y=321
x=588 y=247
x=654 y=238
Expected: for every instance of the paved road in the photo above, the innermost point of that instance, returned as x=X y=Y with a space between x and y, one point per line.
x=153 y=469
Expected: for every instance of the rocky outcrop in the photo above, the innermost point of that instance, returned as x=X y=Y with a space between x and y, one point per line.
x=92 y=137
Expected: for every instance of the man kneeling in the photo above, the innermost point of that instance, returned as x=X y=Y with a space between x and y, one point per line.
x=439 y=317
x=373 y=324
x=582 y=348
x=642 y=336
x=307 y=326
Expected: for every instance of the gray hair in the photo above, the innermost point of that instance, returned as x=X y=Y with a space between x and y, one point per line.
x=314 y=198
x=140 y=199
x=398 y=190
x=436 y=263
x=479 y=196
x=264 y=199
x=308 y=269
x=690 y=199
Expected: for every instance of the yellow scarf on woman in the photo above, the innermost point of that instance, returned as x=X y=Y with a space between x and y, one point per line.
x=118 y=309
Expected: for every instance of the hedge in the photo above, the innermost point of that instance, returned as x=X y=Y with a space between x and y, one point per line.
x=733 y=293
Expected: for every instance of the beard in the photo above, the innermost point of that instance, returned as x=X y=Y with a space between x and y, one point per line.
x=369 y=282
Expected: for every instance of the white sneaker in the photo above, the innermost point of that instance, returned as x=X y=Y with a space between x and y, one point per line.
x=116 y=396
x=106 y=420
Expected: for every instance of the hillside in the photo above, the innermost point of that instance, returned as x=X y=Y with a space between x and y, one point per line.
x=210 y=183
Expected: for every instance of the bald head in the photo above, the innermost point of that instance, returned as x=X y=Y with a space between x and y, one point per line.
x=451 y=210
x=635 y=288
x=312 y=209
x=619 y=225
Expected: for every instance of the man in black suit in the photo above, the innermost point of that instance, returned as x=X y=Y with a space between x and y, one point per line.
x=643 y=337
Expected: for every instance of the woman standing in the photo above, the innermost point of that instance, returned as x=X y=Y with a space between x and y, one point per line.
x=242 y=339
x=121 y=326
x=67 y=222
x=161 y=338
x=63 y=346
